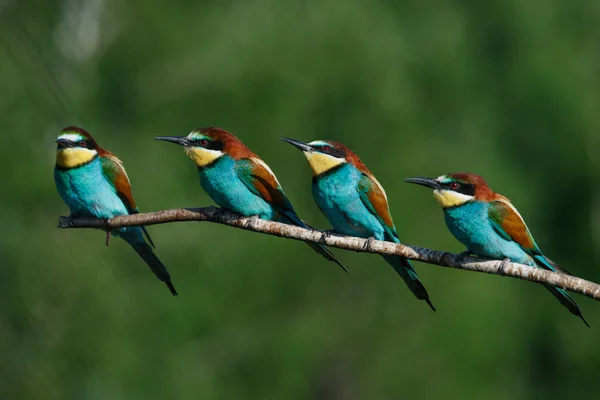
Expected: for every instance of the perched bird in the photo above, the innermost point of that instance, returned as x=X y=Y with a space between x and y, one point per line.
x=93 y=183
x=490 y=226
x=354 y=201
x=238 y=180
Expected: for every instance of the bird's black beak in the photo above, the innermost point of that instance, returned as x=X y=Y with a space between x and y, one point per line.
x=180 y=140
x=428 y=182
x=64 y=143
x=302 y=146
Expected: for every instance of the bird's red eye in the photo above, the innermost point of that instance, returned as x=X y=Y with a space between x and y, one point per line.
x=81 y=143
x=327 y=149
x=454 y=186
x=203 y=142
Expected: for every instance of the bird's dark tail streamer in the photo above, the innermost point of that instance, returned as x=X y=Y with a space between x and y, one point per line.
x=405 y=269
x=159 y=269
x=560 y=294
x=567 y=301
x=325 y=252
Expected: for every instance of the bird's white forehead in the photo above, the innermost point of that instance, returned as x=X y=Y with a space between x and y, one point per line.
x=71 y=137
x=195 y=135
x=318 y=143
x=443 y=179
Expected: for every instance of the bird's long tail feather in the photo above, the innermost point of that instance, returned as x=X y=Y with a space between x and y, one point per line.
x=567 y=301
x=559 y=293
x=325 y=252
x=159 y=269
x=405 y=269
x=290 y=217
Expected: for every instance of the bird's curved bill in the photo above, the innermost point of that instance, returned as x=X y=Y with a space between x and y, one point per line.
x=63 y=143
x=181 y=140
x=301 y=145
x=428 y=182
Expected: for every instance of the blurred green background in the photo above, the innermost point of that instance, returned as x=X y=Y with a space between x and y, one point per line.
x=506 y=89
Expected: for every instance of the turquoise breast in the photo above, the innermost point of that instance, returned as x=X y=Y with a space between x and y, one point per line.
x=86 y=191
x=223 y=185
x=337 y=196
x=470 y=224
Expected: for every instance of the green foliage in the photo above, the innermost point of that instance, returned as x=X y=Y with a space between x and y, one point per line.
x=507 y=89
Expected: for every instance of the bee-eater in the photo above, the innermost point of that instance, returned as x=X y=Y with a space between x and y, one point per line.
x=490 y=226
x=354 y=201
x=238 y=180
x=93 y=183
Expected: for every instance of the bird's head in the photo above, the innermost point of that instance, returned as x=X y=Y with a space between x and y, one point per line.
x=75 y=147
x=207 y=145
x=456 y=189
x=325 y=155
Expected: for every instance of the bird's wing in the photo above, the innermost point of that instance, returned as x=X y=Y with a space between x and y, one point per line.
x=507 y=221
x=116 y=175
x=509 y=224
x=260 y=180
x=374 y=198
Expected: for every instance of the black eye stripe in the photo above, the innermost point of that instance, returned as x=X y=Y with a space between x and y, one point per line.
x=209 y=145
x=81 y=143
x=464 y=188
x=327 y=149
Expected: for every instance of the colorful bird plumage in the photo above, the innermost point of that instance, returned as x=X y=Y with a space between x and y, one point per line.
x=490 y=226
x=238 y=180
x=93 y=183
x=354 y=201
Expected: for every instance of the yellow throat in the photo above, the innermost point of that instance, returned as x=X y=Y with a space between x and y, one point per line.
x=74 y=157
x=201 y=156
x=321 y=163
x=448 y=198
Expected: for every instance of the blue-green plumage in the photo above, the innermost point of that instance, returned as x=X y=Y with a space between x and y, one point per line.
x=489 y=225
x=354 y=202
x=223 y=182
x=336 y=194
x=234 y=184
x=344 y=195
x=98 y=187
x=472 y=227
x=238 y=180
x=87 y=192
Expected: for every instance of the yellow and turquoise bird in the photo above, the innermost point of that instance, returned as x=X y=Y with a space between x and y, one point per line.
x=490 y=226
x=354 y=201
x=238 y=180
x=93 y=183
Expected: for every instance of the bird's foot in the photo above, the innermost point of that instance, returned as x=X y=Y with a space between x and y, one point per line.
x=368 y=246
x=251 y=222
x=461 y=256
x=503 y=265
x=219 y=212
x=325 y=235
x=108 y=233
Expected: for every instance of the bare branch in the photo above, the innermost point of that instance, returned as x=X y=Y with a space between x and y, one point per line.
x=222 y=216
